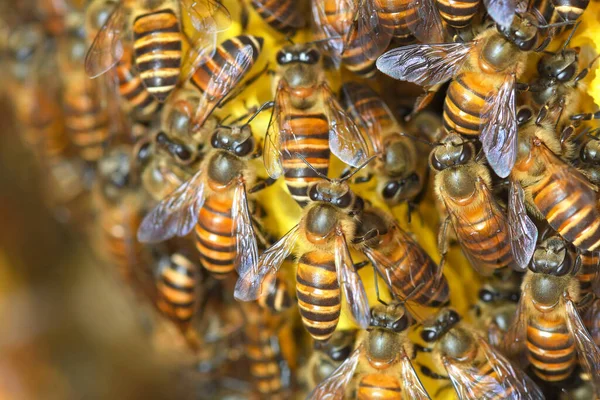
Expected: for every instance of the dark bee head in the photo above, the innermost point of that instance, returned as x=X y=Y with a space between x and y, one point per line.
x=179 y=151
x=590 y=152
x=337 y=193
x=398 y=190
x=491 y=294
x=391 y=317
x=338 y=347
x=437 y=327
x=452 y=151
x=299 y=65
x=298 y=53
x=523 y=32
x=552 y=257
x=561 y=66
x=237 y=140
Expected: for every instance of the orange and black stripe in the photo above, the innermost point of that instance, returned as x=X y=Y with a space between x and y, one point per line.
x=458 y=14
x=177 y=290
x=158 y=51
x=552 y=352
x=277 y=298
x=132 y=89
x=590 y=262
x=320 y=312
x=215 y=241
x=399 y=17
x=366 y=106
x=355 y=59
x=265 y=358
x=379 y=386
x=281 y=15
x=310 y=138
x=465 y=99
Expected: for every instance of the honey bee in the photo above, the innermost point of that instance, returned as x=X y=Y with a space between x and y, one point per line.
x=554 y=190
x=400 y=175
x=382 y=358
x=547 y=328
x=555 y=11
x=327 y=356
x=284 y=16
x=481 y=96
x=463 y=185
x=324 y=263
x=404 y=265
x=157 y=39
x=496 y=306
x=307 y=123
x=277 y=299
x=476 y=370
x=214 y=203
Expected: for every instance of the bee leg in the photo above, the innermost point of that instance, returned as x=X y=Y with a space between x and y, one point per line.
x=262 y=184
x=421 y=349
x=585 y=116
x=585 y=71
x=430 y=374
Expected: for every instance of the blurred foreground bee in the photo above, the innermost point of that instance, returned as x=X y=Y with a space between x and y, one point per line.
x=324 y=263
x=400 y=261
x=400 y=175
x=307 y=123
x=554 y=190
x=481 y=96
x=547 y=329
x=477 y=371
x=158 y=39
x=214 y=203
x=463 y=184
x=382 y=358
x=328 y=355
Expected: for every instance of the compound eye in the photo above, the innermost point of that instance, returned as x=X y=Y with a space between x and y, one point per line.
x=435 y=163
x=465 y=154
x=390 y=190
x=162 y=138
x=453 y=317
x=514 y=297
x=401 y=324
x=524 y=115
x=282 y=57
x=214 y=140
x=312 y=56
x=567 y=73
x=182 y=153
x=340 y=354
x=244 y=148
x=429 y=335
x=486 y=296
x=313 y=193
x=344 y=201
x=144 y=152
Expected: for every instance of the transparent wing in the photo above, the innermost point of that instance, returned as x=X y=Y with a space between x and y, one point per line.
x=107 y=47
x=175 y=215
x=501 y=11
x=499 y=134
x=207 y=15
x=331 y=37
x=587 y=350
x=272 y=145
x=372 y=36
x=522 y=230
x=246 y=248
x=593 y=315
x=513 y=344
x=411 y=384
x=249 y=286
x=334 y=386
x=345 y=140
x=352 y=286
x=425 y=64
x=428 y=27
x=200 y=51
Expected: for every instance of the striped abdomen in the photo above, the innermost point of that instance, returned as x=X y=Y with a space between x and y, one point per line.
x=177 y=290
x=318 y=292
x=576 y=220
x=158 y=51
x=366 y=105
x=281 y=15
x=398 y=16
x=464 y=102
x=355 y=59
x=214 y=236
x=379 y=386
x=265 y=358
x=86 y=119
x=277 y=298
x=132 y=89
x=588 y=272
x=458 y=14
x=310 y=138
x=570 y=10
x=551 y=348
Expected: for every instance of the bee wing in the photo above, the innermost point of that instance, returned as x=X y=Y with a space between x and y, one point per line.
x=425 y=64
x=587 y=350
x=107 y=47
x=522 y=230
x=501 y=11
x=499 y=134
x=246 y=248
x=507 y=382
x=249 y=286
x=593 y=314
x=207 y=15
x=176 y=214
x=271 y=148
x=201 y=50
x=350 y=281
x=372 y=36
x=334 y=386
x=334 y=46
x=428 y=26
x=514 y=341
x=411 y=384
x=345 y=140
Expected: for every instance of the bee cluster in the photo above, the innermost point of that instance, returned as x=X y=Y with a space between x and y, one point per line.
x=194 y=144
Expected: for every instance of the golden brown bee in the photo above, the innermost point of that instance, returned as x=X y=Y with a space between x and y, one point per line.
x=157 y=39
x=476 y=370
x=285 y=16
x=307 y=123
x=214 y=204
x=404 y=265
x=400 y=174
x=382 y=358
x=481 y=97
x=324 y=260
x=328 y=355
x=554 y=190
x=463 y=184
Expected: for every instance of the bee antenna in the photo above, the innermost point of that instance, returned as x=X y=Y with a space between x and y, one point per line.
x=288 y=38
x=418 y=139
x=313 y=168
x=570 y=36
x=357 y=169
x=264 y=106
x=554 y=25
